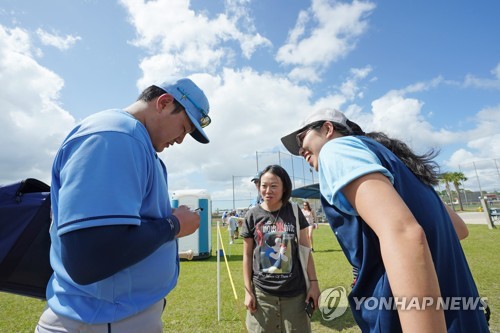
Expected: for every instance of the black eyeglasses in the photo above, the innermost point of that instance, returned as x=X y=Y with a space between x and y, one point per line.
x=205 y=119
x=300 y=136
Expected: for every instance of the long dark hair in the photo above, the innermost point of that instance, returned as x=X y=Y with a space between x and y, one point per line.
x=422 y=166
x=278 y=171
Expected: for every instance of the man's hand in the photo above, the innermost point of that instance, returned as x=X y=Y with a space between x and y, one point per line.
x=189 y=220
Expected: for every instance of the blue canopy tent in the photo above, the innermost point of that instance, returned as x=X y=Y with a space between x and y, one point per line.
x=307 y=192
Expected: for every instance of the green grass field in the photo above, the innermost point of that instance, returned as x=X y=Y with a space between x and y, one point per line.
x=192 y=306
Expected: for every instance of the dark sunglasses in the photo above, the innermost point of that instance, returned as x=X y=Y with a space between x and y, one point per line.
x=300 y=136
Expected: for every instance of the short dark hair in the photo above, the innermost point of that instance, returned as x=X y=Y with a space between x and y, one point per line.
x=285 y=179
x=152 y=92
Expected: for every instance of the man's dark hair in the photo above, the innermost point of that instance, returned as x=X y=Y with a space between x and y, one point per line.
x=152 y=92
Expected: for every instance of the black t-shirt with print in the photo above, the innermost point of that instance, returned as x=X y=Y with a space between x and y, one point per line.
x=276 y=265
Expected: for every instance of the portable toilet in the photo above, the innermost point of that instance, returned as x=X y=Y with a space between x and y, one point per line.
x=200 y=242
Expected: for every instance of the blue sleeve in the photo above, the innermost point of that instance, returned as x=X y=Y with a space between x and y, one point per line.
x=104 y=180
x=341 y=161
x=93 y=254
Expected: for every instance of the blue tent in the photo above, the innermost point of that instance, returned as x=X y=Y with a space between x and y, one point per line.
x=307 y=192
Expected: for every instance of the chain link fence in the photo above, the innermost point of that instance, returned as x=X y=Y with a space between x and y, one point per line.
x=482 y=176
x=483 y=181
x=244 y=193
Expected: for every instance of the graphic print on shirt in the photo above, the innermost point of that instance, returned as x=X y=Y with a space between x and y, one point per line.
x=274 y=246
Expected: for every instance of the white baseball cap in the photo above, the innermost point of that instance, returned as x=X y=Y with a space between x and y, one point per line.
x=333 y=115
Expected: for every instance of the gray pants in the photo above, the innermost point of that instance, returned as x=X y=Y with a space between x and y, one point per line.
x=147 y=321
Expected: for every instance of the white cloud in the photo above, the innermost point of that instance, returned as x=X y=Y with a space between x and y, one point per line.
x=361 y=73
x=304 y=73
x=478 y=162
x=401 y=117
x=496 y=71
x=334 y=35
x=16 y=39
x=350 y=88
x=484 y=83
x=33 y=124
x=59 y=42
x=190 y=41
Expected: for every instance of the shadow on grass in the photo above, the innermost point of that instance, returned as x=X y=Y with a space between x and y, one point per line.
x=213 y=258
x=232 y=257
x=327 y=251
x=239 y=257
x=338 y=324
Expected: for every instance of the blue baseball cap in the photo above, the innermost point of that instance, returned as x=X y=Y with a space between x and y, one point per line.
x=194 y=101
x=256 y=177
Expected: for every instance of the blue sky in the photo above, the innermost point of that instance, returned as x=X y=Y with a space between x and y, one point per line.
x=425 y=72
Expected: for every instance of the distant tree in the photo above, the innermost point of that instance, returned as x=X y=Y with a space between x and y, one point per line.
x=447 y=178
x=456 y=178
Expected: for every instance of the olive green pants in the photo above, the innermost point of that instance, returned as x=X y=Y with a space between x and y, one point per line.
x=278 y=314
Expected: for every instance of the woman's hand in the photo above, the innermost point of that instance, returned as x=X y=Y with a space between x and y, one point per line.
x=250 y=301
x=314 y=293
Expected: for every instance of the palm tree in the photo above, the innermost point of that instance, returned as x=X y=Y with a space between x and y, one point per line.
x=457 y=178
x=447 y=178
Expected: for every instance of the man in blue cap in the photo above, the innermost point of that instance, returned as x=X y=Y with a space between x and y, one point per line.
x=114 y=234
x=256 y=181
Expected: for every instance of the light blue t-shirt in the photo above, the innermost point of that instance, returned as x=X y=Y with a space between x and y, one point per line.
x=108 y=173
x=340 y=162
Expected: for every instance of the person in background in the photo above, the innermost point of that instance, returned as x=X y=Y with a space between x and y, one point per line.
x=236 y=216
x=114 y=234
x=379 y=199
x=232 y=226
x=255 y=181
x=275 y=287
x=223 y=218
x=311 y=219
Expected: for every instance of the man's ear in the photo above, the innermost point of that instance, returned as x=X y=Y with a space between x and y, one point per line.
x=163 y=101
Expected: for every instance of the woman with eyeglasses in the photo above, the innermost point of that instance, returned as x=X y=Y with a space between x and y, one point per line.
x=391 y=224
x=311 y=219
